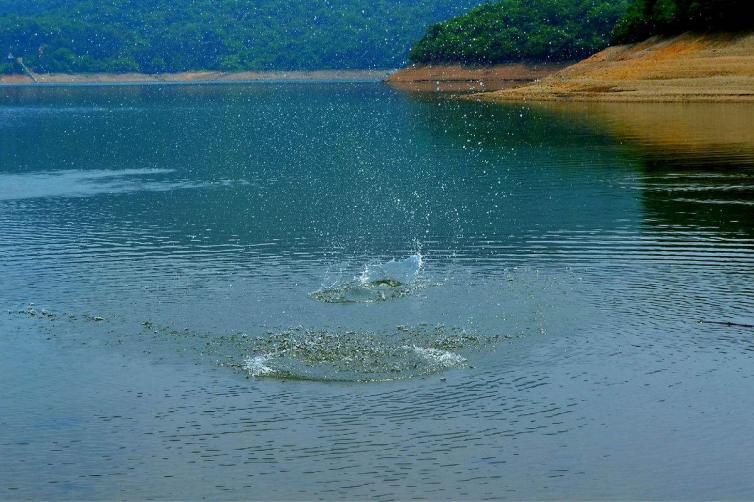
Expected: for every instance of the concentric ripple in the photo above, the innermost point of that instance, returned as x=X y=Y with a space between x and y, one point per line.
x=325 y=355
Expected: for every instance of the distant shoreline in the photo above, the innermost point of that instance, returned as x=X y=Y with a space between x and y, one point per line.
x=195 y=77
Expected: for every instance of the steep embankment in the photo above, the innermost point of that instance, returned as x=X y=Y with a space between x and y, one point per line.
x=457 y=78
x=684 y=68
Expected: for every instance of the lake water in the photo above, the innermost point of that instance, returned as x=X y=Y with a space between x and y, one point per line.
x=341 y=291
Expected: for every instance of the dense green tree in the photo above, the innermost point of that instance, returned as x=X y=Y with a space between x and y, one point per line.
x=645 y=18
x=179 y=35
x=516 y=30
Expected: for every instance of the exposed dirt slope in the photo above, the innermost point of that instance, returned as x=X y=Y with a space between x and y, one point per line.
x=684 y=68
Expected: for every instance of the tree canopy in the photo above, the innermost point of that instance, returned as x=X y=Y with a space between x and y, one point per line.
x=645 y=18
x=155 y=36
x=516 y=30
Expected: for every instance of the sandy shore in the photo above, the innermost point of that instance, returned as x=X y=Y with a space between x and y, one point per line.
x=197 y=77
x=680 y=69
x=456 y=78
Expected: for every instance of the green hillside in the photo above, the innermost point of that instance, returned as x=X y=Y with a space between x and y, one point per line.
x=178 y=35
x=668 y=17
x=516 y=30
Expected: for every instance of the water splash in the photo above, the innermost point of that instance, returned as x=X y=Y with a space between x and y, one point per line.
x=351 y=356
x=376 y=283
x=440 y=357
x=257 y=366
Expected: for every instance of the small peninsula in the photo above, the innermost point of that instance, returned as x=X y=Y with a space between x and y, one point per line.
x=508 y=43
x=646 y=50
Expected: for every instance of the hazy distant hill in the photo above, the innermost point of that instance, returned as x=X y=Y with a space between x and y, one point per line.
x=179 y=35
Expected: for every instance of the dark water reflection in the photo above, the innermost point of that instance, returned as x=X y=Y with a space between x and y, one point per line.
x=546 y=345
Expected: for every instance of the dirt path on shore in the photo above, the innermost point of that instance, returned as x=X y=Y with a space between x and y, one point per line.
x=679 y=69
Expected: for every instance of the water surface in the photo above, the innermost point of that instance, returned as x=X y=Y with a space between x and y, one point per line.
x=342 y=291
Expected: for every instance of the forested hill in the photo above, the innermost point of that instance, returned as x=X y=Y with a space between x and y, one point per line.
x=155 y=36
x=522 y=30
x=670 y=17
